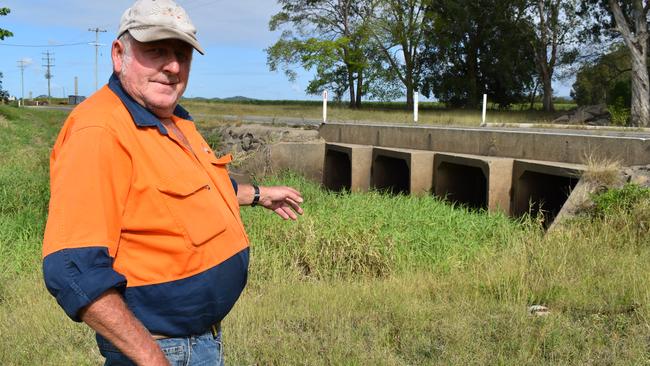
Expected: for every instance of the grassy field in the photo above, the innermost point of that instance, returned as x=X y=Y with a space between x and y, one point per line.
x=368 y=279
x=429 y=113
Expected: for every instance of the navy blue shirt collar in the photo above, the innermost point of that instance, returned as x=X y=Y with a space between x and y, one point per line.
x=142 y=116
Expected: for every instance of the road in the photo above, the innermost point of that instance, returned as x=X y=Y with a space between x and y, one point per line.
x=522 y=127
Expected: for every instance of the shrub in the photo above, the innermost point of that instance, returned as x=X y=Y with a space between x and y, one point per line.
x=620 y=114
x=623 y=200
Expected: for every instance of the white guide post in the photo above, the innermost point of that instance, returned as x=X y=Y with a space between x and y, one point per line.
x=484 y=108
x=324 y=106
x=415 y=106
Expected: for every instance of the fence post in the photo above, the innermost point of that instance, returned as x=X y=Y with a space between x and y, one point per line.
x=324 y=106
x=415 y=106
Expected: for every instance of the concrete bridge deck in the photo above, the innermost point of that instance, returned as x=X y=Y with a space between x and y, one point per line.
x=629 y=148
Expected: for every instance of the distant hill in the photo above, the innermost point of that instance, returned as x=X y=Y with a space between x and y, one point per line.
x=237 y=98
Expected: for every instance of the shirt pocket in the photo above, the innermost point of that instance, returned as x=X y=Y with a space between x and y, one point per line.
x=196 y=208
x=220 y=162
x=220 y=167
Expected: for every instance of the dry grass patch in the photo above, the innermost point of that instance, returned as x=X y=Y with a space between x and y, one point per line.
x=601 y=170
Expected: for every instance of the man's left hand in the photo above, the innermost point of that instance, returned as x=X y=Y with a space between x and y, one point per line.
x=284 y=201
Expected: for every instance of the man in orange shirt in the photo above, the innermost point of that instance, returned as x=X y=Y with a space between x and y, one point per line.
x=144 y=242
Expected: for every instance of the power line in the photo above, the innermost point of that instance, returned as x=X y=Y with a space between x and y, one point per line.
x=48 y=59
x=97 y=31
x=44 y=45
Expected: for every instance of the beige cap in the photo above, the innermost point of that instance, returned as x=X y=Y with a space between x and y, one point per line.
x=153 y=20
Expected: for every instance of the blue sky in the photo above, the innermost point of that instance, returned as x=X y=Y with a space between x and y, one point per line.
x=234 y=35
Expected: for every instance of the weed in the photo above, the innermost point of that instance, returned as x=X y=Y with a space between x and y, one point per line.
x=617 y=201
x=604 y=171
x=620 y=114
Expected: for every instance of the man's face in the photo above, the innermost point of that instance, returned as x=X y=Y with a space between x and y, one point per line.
x=155 y=73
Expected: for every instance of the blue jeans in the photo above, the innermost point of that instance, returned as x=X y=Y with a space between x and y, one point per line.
x=199 y=350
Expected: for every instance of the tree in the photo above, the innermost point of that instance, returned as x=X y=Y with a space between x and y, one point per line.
x=4 y=95
x=606 y=80
x=3 y=32
x=627 y=19
x=328 y=35
x=397 y=27
x=555 y=25
x=477 y=47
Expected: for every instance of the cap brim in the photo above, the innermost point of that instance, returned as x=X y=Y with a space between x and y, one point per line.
x=157 y=33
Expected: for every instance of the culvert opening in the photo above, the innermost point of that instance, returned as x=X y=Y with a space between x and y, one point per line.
x=540 y=193
x=462 y=184
x=391 y=175
x=337 y=173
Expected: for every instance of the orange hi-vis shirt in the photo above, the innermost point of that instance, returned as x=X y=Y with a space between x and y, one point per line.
x=132 y=208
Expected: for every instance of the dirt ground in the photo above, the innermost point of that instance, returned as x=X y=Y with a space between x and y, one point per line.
x=250 y=144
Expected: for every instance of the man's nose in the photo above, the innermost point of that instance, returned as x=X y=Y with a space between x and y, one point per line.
x=172 y=65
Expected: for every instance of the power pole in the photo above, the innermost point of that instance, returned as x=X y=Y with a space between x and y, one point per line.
x=48 y=59
x=22 y=64
x=96 y=44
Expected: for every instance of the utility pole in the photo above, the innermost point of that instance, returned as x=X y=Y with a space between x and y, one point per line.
x=96 y=44
x=48 y=59
x=22 y=64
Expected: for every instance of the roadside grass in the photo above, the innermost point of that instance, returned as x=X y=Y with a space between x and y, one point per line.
x=368 y=278
x=25 y=143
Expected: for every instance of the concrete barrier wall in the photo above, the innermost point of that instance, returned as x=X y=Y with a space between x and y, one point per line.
x=306 y=158
x=567 y=147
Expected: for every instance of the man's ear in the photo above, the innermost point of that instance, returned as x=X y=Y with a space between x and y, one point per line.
x=117 y=55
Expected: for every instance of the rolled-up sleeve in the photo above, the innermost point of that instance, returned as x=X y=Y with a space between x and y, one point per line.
x=235 y=186
x=76 y=277
x=90 y=175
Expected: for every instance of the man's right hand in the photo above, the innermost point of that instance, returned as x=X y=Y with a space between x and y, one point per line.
x=110 y=317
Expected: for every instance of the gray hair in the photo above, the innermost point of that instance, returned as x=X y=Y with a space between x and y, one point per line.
x=126 y=39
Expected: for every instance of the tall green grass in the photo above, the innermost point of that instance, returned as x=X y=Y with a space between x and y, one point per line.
x=25 y=140
x=368 y=279
x=351 y=235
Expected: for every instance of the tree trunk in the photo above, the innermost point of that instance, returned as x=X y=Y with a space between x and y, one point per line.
x=637 y=43
x=409 y=97
x=409 y=90
x=640 y=111
x=547 y=99
x=359 y=89
x=351 y=87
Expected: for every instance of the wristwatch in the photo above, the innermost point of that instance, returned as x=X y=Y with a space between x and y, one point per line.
x=256 y=198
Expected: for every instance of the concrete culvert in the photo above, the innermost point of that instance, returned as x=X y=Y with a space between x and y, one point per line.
x=462 y=184
x=391 y=174
x=541 y=189
x=337 y=172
